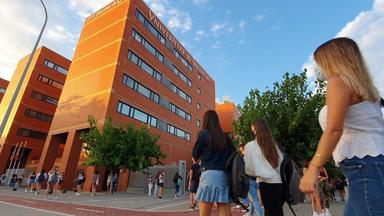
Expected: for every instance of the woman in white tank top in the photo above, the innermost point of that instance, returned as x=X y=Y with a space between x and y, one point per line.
x=353 y=127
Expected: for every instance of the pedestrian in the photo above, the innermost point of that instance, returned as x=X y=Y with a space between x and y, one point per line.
x=324 y=192
x=95 y=182
x=41 y=177
x=53 y=178
x=161 y=184
x=156 y=182
x=353 y=128
x=150 y=184
x=109 y=183
x=79 y=182
x=13 y=182
x=60 y=182
x=31 y=182
x=262 y=160
x=213 y=148
x=176 y=183
x=193 y=185
x=3 y=178
x=115 y=181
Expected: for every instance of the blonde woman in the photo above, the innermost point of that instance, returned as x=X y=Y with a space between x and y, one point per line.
x=353 y=127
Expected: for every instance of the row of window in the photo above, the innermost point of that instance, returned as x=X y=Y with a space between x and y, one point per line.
x=49 y=81
x=181 y=75
x=147 y=68
x=159 y=36
x=44 y=98
x=38 y=115
x=128 y=81
x=2 y=90
x=180 y=112
x=183 y=60
x=55 y=67
x=147 y=45
x=31 y=133
x=133 y=84
x=143 y=65
x=139 y=115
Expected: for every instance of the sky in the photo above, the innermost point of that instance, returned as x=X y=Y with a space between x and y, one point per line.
x=242 y=46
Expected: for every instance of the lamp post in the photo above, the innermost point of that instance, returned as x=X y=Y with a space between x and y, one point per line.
x=15 y=94
x=18 y=87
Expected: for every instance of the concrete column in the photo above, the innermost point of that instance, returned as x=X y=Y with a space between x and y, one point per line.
x=49 y=154
x=70 y=158
x=5 y=154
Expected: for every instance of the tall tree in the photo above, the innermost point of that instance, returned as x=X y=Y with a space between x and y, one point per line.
x=291 y=110
x=114 y=146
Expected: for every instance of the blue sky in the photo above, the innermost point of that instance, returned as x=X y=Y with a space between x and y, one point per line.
x=242 y=46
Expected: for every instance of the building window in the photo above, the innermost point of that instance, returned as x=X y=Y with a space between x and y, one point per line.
x=178 y=132
x=183 y=60
x=55 y=67
x=198 y=76
x=31 y=133
x=45 y=98
x=137 y=114
x=2 y=90
x=181 y=75
x=49 y=81
x=198 y=106
x=180 y=112
x=198 y=123
x=38 y=115
x=147 y=45
x=138 y=87
x=198 y=91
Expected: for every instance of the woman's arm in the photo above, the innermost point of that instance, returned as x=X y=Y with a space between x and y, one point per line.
x=199 y=146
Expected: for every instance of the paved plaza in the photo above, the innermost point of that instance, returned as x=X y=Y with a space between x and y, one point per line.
x=132 y=202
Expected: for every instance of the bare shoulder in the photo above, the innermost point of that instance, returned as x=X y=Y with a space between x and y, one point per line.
x=337 y=87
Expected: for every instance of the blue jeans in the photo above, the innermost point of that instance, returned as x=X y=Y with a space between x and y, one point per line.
x=254 y=204
x=365 y=185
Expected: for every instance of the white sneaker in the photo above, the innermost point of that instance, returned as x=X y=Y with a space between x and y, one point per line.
x=26 y=191
x=327 y=212
x=78 y=194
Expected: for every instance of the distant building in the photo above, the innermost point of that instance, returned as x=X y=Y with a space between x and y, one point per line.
x=3 y=86
x=128 y=66
x=35 y=105
x=228 y=113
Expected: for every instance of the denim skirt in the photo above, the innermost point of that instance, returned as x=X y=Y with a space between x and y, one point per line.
x=213 y=187
x=365 y=185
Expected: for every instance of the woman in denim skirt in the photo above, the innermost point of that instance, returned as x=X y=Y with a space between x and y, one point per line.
x=353 y=127
x=213 y=148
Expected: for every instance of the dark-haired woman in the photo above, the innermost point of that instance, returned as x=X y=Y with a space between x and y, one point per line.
x=262 y=160
x=213 y=148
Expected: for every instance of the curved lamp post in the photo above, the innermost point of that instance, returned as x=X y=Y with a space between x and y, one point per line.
x=15 y=94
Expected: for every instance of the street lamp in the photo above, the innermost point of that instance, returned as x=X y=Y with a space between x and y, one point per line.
x=12 y=103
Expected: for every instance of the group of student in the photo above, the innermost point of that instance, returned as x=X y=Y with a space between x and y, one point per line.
x=53 y=180
x=157 y=183
x=353 y=131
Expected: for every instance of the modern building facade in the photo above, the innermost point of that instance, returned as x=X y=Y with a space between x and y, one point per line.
x=130 y=67
x=3 y=86
x=35 y=105
x=228 y=113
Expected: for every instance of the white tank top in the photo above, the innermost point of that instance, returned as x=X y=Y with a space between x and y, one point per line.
x=363 y=131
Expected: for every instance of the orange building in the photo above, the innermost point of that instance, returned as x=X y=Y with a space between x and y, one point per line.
x=35 y=105
x=3 y=86
x=228 y=113
x=128 y=66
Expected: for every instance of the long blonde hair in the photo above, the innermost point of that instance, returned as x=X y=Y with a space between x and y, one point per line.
x=341 y=57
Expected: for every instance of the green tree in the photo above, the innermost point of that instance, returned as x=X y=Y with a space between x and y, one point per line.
x=291 y=110
x=114 y=146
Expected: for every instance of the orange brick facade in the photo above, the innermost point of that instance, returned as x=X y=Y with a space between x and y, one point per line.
x=32 y=113
x=228 y=113
x=129 y=67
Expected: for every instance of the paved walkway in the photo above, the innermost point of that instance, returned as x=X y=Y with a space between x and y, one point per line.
x=132 y=202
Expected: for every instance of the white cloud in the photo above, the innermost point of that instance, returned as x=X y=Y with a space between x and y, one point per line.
x=220 y=28
x=217 y=27
x=200 y=34
x=242 y=24
x=23 y=20
x=200 y=2
x=175 y=18
x=241 y=42
x=259 y=17
x=84 y=8
x=367 y=30
x=216 y=45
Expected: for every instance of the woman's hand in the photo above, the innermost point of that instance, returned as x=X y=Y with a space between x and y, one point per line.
x=309 y=180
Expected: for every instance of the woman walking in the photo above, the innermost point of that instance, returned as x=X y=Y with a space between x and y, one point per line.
x=213 y=148
x=353 y=128
x=262 y=160
x=31 y=182
x=95 y=182
x=176 y=183
x=161 y=184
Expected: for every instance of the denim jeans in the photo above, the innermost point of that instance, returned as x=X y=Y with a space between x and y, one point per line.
x=365 y=185
x=254 y=204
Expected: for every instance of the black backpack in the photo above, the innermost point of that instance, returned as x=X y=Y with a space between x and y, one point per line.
x=238 y=180
x=290 y=177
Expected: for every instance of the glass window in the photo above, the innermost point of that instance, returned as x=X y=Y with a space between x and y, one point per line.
x=124 y=109
x=2 y=90
x=62 y=70
x=180 y=133
x=136 y=36
x=198 y=123
x=189 y=118
x=153 y=122
x=162 y=39
x=182 y=95
x=198 y=76
x=51 y=101
x=198 y=106
x=160 y=57
x=141 y=116
x=198 y=91
x=171 y=129
x=147 y=68
x=149 y=47
x=130 y=82
x=140 y=16
x=156 y=98
x=189 y=99
x=133 y=58
x=144 y=91
x=158 y=76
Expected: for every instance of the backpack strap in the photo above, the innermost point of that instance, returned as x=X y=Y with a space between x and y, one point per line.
x=293 y=211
